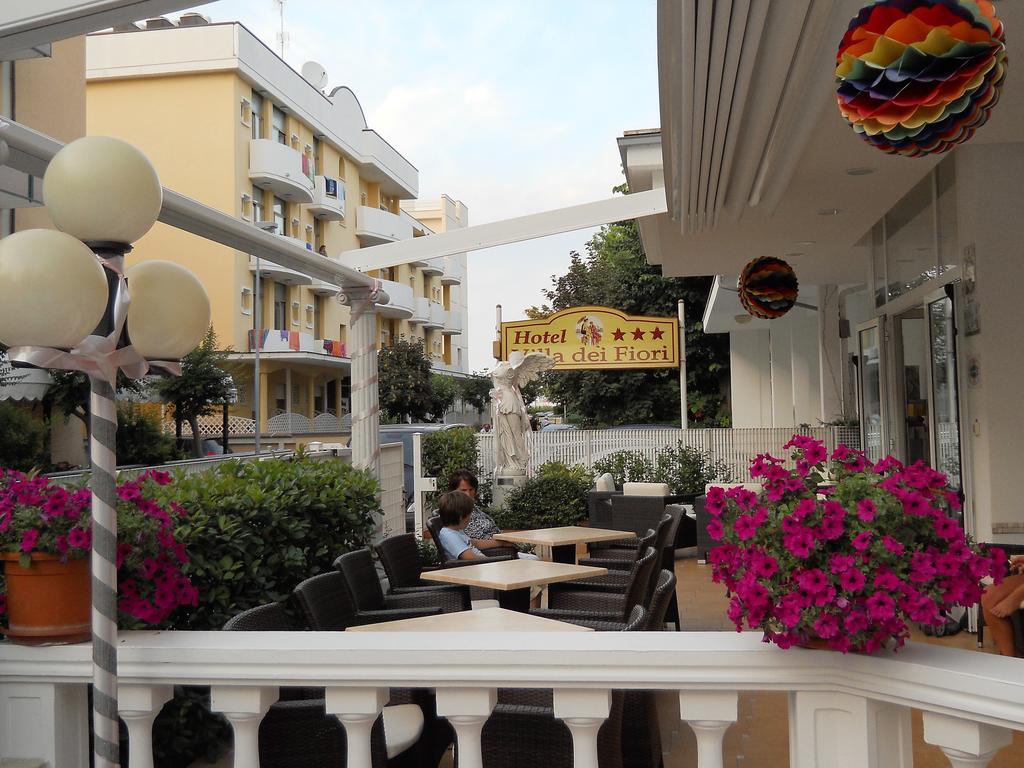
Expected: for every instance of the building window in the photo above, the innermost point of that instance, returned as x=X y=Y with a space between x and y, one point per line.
x=257 y=115
x=280 y=214
x=258 y=211
x=318 y=157
x=296 y=320
x=318 y=233
x=279 y=125
x=426 y=287
x=247 y=300
x=280 y=306
x=318 y=317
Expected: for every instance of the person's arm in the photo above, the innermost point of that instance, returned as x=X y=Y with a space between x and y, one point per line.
x=469 y=554
x=487 y=543
x=1011 y=602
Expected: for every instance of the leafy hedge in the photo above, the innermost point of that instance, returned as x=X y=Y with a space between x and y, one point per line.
x=21 y=446
x=451 y=449
x=685 y=469
x=556 y=496
x=253 y=532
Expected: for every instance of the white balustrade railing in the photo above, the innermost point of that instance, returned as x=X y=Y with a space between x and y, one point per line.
x=734 y=447
x=844 y=711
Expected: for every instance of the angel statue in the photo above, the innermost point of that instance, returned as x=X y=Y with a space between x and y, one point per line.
x=511 y=421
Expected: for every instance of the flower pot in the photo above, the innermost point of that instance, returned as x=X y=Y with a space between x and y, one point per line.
x=48 y=602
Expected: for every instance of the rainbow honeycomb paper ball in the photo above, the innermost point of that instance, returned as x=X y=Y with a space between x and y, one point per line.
x=768 y=287
x=918 y=77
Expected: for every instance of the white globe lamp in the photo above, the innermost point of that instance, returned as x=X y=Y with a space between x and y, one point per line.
x=102 y=190
x=53 y=291
x=169 y=311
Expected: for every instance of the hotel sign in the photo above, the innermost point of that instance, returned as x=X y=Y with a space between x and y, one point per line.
x=596 y=338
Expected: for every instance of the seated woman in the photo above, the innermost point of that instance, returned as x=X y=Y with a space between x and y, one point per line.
x=481 y=526
x=999 y=601
x=455 y=509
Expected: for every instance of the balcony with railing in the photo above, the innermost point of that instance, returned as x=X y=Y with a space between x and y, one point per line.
x=281 y=274
x=328 y=198
x=452 y=323
x=401 y=302
x=273 y=340
x=843 y=711
x=453 y=271
x=375 y=227
x=433 y=267
x=429 y=313
x=280 y=169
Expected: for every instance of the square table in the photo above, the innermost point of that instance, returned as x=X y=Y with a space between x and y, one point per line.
x=563 y=541
x=482 y=620
x=513 y=578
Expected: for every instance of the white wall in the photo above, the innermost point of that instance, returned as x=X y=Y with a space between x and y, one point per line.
x=989 y=216
x=750 y=378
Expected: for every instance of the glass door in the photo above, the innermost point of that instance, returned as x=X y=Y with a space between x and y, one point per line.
x=912 y=364
x=944 y=387
x=870 y=388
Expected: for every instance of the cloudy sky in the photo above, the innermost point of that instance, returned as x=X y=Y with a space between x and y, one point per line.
x=511 y=107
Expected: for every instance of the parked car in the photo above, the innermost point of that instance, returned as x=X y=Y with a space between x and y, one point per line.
x=550 y=427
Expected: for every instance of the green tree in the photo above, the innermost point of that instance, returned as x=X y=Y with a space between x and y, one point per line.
x=615 y=273
x=404 y=380
x=69 y=393
x=443 y=390
x=475 y=391
x=22 y=444
x=202 y=385
x=141 y=440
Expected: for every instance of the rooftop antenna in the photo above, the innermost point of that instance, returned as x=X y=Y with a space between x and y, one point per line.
x=282 y=36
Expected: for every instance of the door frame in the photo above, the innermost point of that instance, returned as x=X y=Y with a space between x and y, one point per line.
x=879 y=324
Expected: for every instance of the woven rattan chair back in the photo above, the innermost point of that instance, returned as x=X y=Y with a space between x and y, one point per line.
x=361 y=574
x=658 y=607
x=401 y=560
x=640 y=578
x=326 y=602
x=637 y=619
x=263 y=618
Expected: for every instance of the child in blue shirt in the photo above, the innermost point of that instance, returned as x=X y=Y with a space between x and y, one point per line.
x=455 y=508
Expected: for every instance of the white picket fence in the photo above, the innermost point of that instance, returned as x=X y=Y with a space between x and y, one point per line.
x=735 y=447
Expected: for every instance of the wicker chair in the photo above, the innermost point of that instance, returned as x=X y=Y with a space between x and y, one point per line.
x=361 y=574
x=401 y=560
x=622 y=558
x=596 y=602
x=297 y=732
x=328 y=605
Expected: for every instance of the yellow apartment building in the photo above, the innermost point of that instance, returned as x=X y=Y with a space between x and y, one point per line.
x=227 y=122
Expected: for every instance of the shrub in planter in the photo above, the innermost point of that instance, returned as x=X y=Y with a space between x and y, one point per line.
x=253 y=532
x=21 y=446
x=140 y=440
x=684 y=468
x=556 y=496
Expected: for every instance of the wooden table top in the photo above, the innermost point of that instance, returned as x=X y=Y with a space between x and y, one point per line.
x=483 y=620
x=513 y=574
x=570 y=534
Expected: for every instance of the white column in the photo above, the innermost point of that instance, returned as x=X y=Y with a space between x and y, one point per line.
x=467 y=709
x=365 y=394
x=831 y=355
x=47 y=721
x=781 y=347
x=966 y=743
x=584 y=711
x=244 y=707
x=750 y=378
x=358 y=709
x=709 y=714
x=838 y=730
x=806 y=368
x=138 y=706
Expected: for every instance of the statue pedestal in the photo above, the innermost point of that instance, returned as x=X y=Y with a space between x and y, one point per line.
x=503 y=484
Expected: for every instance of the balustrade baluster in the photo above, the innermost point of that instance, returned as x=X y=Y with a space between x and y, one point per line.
x=584 y=711
x=358 y=709
x=138 y=706
x=966 y=743
x=840 y=730
x=244 y=707
x=467 y=709
x=709 y=714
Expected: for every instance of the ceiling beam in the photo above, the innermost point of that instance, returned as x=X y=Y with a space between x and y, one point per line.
x=534 y=225
x=24 y=26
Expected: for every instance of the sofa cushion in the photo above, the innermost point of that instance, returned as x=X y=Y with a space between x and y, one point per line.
x=645 y=489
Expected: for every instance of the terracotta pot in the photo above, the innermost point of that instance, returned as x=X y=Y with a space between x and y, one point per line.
x=816 y=643
x=48 y=602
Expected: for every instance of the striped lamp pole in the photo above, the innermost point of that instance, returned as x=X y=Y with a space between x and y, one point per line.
x=102 y=194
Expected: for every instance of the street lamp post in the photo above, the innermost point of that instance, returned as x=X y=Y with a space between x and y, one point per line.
x=103 y=195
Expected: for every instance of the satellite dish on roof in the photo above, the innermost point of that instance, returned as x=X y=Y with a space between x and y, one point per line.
x=315 y=74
